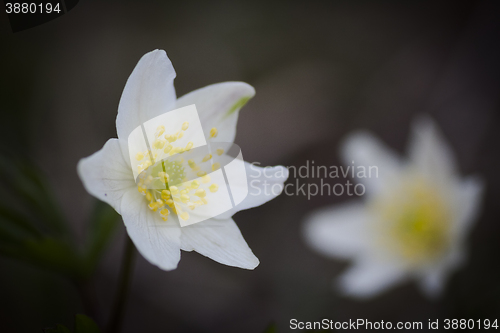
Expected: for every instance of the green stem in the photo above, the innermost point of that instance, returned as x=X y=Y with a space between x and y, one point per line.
x=118 y=310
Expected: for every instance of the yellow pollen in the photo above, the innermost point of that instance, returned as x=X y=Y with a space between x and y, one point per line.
x=167 y=148
x=201 y=173
x=180 y=134
x=195 y=184
x=159 y=130
x=170 y=138
x=185 y=126
x=165 y=194
x=417 y=221
x=205 y=179
x=213 y=188
x=191 y=163
x=191 y=205
x=200 y=193
x=170 y=202
x=176 y=150
x=207 y=157
x=184 y=198
x=149 y=197
x=153 y=206
x=213 y=132
x=189 y=146
x=184 y=216
x=164 y=218
x=220 y=151
x=215 y=166
x=165 y=212
x=139 y=156
x=159 y=143
x=174 y=189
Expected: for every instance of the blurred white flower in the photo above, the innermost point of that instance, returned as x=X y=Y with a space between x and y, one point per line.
x=109 y=175
x=413 y=223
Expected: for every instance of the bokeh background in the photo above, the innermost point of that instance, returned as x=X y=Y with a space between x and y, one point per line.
x=321 y=69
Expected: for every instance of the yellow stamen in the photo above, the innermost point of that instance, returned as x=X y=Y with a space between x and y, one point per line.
x=159 y=130
x=139 y=156
x=159 y=143
x=200 y=193
x=165 y=194
x=207 y=157
x=213 y=188
x=185 y=126
x=213 y=132
x=220 y=151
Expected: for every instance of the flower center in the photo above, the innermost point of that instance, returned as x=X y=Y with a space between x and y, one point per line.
x=174 y=184
x=415 y=221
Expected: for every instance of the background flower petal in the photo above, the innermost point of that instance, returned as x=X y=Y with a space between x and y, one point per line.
x=366 y=150
x=430 y=154
x=339 y=231
x=368 y=278
x=469 y=197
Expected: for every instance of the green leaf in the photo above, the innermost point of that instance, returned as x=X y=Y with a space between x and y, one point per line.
x=19 y=222
x=58 y=329
x=84 y=324
x=26 y=183
x=271 y=329
x=103 y=225
x=47 y=253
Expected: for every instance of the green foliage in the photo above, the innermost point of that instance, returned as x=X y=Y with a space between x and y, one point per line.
x=33 y=229
x=271 y=329
x=58 y=329
x=83 y=324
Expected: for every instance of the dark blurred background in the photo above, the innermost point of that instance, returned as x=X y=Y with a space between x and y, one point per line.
x=321 y=69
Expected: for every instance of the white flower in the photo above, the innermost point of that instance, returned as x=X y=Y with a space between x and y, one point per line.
x=108 y=174
x=413 y=223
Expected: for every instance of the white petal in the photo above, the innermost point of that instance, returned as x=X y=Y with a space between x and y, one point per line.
x=106 y=175
x=264 y=184
x=158 y=241
x=218 y=106
x=433 y=279
x=368 y=278
x=468 y=196
x=220 y=240
x=430 y=154
x=340 y=231
x=365 y=150
x=148 y=93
